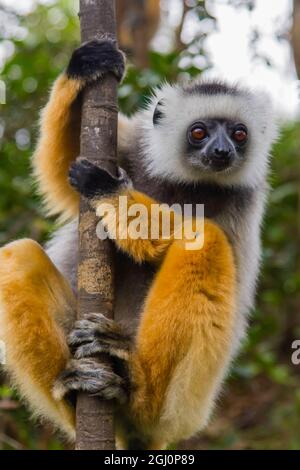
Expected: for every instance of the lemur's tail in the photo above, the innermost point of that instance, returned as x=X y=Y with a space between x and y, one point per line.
x=58 y=146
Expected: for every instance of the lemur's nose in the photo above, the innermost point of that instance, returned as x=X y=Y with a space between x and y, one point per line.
x=222 y=152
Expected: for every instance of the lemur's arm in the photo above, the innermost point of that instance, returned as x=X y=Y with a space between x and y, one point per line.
x=58 y=143
x=111 y=198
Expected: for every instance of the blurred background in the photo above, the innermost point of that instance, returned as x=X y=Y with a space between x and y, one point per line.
x=256 y=41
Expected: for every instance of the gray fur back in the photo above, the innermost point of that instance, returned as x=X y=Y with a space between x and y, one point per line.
x=62 y=249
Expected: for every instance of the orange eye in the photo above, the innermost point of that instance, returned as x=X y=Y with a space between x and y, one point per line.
x=198 y=133
x=240 y=136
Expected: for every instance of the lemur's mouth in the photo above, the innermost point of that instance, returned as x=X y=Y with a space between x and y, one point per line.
x=220 y=164
x=212 y=164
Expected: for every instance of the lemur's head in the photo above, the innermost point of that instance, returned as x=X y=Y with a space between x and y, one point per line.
x=209 y=131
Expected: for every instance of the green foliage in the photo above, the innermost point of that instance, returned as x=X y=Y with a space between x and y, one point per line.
x=28 y=75
x=262 y=407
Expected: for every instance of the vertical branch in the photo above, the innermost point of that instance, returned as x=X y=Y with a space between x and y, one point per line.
x=95 y=428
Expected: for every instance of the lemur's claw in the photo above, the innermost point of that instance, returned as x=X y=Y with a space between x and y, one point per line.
x=96 y=334
x=91 y=181
x=96 y=58
x=87 y=375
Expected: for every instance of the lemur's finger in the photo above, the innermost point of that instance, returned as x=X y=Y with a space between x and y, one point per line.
x=87 y=376
x=112 y=348
x=100 y=322
x=96 y=334
x=74 y=178
x=95 y=59
x=84 y=162
x=96 y=325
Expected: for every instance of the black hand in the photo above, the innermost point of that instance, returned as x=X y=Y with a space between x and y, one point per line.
x=90 y=180
x=96 y=58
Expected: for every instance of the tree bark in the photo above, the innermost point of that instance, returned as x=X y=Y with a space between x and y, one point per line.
x=95 y=428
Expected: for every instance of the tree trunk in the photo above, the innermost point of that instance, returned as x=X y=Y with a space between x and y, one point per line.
x=95 y=429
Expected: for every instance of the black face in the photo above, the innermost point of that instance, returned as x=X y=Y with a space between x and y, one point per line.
x=216 y=144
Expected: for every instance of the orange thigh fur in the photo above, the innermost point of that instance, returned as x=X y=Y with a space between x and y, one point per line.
x=35 y=301
x=188 y=316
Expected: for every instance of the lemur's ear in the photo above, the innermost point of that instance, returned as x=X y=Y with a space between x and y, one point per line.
x=158 y=113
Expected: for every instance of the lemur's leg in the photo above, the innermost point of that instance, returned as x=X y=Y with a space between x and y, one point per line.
x=58 y=144
x=37 y=310
x=184 y=338
x=35 y=303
